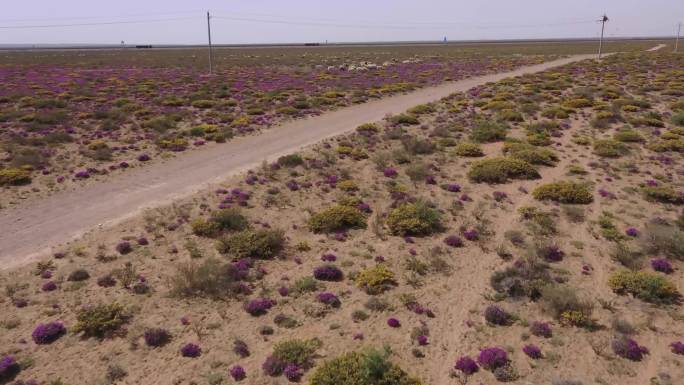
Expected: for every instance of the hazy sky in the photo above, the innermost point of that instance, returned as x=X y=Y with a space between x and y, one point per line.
x=266 y=21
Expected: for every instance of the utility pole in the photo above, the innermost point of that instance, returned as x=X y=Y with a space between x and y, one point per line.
x=679 y=29
x=211 y=55
x=603 y=28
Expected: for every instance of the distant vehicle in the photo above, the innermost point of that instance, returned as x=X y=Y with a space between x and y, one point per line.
x=143 y=46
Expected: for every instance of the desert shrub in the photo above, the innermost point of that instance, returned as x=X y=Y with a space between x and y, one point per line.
x=421 y=109
x=78 y=275
x=337 y=218
x=492 y=358
x=629 y=136
x=554 y=112
x=405 y=119
x=659 y=238
x=510 y=115
x=649 y=287
x=328 y=272
x=497 y=316
x=368 y=129
x=678 y=119
x=663 y=194
x=156 y=337
x=626 y=256
x=626 y=347
x=488 y=132
x=259 y=306
x=609 y=148
x=211 y=279
x=501 y=170
x=564 y=192
x=370 y=367
x=417 y=171
x=9 y=368
x=414 y=219
x=524 y=278
x=47 y=333
x=418 y=146
x=530 y=154
x=376 y=279
x=468 y=149
x=100 y=320
x=14 y=177
x=297 y=352
x=230 y=219
x=562 y=302
x=305 y=285
x=262 y=244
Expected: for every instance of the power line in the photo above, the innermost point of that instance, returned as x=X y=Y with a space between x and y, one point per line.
x=94 y=24
x=99 y=17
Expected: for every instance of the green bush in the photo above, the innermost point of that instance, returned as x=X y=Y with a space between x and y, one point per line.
x=421 y=109
x=564 y=192
x=649 y=287
x=678 y=119
x=628 y=136
x=98 y=321
x=366 y=368
x=488 y=132
x=376 y=279
x=298 y=352
x=609 y=148
x=530 y=154
x=501 y=170
x=230 y=219
x=663 y=194
x=414 y=219
x=14 y=177
x=468 y=150
x=292 y=160
x=262 y=244
x=405 y=119
x=336 y=218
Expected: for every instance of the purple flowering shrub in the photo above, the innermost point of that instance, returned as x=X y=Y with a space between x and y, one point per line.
x=626 y=347
x=453 y=241
x=492 y=358
x=156 y=337
x=541 y=329
x=259 y=306
x=677 y=347
x=662 y=265
x=329 y=299
x=328 y=273
x=191 y=350
x=393 y=323
x=497 y=316
x=466 y=365
x=124 y=247
x=238 y=373
x=47 y=333
x=293 y=372
x=240 y=348
x=9 y=368
x=532 y=351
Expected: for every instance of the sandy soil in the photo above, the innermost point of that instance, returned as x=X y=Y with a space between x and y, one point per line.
x=68 y=215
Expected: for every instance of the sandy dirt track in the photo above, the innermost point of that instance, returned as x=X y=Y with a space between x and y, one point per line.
x=32 y=230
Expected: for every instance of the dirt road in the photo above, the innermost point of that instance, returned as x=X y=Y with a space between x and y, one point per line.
x=31 y=231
